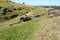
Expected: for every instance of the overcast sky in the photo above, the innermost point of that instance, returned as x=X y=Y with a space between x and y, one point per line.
x=39 y=2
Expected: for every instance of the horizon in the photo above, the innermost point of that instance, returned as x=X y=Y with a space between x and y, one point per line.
x=39 y=2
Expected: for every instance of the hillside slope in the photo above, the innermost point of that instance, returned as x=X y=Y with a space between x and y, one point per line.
x=9 y=9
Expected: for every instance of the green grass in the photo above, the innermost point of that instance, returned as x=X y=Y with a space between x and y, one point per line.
x=38 y=10
x=19 y=31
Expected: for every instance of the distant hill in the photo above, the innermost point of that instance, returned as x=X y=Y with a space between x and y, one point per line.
x=56 y=7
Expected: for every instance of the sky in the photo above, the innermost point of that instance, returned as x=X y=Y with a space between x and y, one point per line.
x=39 y=2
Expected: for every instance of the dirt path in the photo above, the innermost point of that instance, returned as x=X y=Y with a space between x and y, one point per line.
x=48 y=30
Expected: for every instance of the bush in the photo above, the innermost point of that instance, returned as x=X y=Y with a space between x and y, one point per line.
x=13 y=16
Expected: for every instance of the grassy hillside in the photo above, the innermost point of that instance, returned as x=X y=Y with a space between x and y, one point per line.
x=39 y=28
x=14 y=9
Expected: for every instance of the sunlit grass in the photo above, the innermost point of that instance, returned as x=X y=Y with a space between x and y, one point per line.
x=19 y=31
